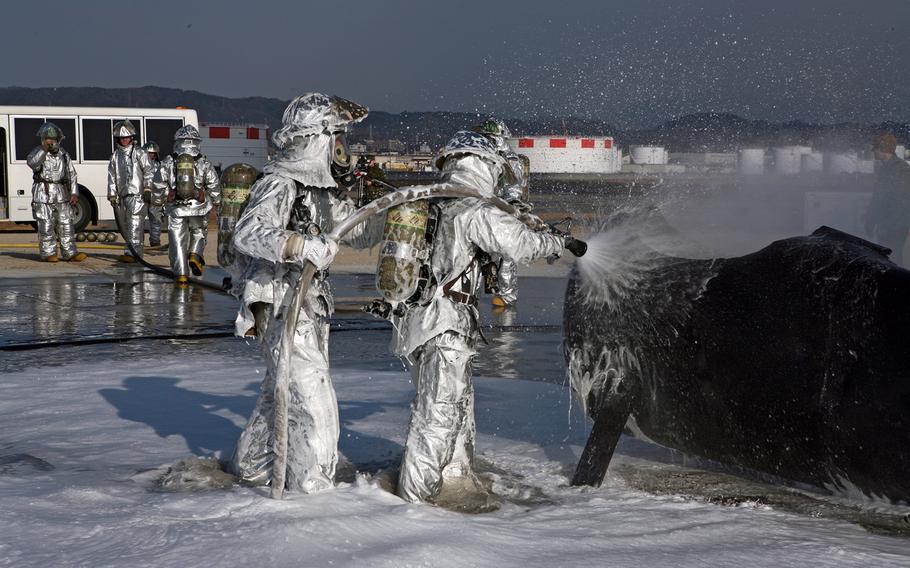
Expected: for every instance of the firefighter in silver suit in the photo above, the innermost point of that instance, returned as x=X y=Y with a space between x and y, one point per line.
x=290 y=210
x=129 y=174
x=514 y=191
x=194 y=188
x=54 y=193
x=156 y=195
x=437 y=334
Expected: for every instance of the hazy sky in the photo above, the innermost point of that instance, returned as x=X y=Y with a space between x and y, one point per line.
x=632 y=62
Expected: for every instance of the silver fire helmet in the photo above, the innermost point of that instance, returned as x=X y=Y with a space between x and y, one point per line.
x=497 y=131
x=188 y=132
x=124 y=129
x=151 y=147
x=50 y=130
x=469 y=142
x=315 y=113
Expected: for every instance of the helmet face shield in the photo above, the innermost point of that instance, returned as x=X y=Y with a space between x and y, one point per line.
x=188 y=146
x=341 y=155
x=342 y=165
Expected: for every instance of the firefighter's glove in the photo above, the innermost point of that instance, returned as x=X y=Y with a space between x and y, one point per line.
x=319 y=250
x=576 y=247
x=114 y=199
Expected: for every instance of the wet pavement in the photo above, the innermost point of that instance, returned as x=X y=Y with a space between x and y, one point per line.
x=128 y=310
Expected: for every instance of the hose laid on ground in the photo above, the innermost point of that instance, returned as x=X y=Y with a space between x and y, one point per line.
x=199 y=336
x=157 y=269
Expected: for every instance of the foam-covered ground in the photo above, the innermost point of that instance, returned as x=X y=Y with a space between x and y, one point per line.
x=80 y=432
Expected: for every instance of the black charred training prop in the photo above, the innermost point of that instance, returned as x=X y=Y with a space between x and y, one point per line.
x=793 y=361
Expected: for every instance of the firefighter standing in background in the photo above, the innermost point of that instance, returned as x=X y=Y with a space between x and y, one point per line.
x=129 y=174
x=156 y=196
x=193 y=190
x=888 y=217
x=54 y=194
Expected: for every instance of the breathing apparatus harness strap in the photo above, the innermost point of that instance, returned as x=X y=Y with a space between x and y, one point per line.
x=301 y=220
x=466 y=294
x=64 y=181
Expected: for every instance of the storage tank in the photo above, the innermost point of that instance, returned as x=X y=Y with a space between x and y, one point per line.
x=787 y=160
x=648 y=155
x=812 y=162
x=751 y=161
x=569 y=154
x=841 y=162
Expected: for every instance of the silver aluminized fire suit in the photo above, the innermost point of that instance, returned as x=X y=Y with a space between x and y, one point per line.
x=187 y=221
x=54 y=185
x=297 y=183
x=438 y=337
x=514 y=193
x=156 y=202
x=128 y=174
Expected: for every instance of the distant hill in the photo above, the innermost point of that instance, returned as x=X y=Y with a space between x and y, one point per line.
x=695 y=132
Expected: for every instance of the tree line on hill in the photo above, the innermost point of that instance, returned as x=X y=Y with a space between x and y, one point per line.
x=703 y=132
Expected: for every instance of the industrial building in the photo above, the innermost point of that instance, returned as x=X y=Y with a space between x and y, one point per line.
x=230 y=143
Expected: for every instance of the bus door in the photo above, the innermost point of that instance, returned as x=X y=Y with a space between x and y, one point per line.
x=4 y=184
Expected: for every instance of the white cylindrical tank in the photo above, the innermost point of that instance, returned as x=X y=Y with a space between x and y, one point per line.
x=648 y=154
x=787 y=160
x=569 y=154
x=812 y=162
x=841 y=162
x=901 y=152
x=751 y=161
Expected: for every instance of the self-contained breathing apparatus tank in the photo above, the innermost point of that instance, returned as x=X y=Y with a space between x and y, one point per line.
x=525 y=177
x=403 y=251
x=185 y=174
x=236 y=182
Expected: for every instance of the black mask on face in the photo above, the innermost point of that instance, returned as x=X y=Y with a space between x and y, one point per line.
x=342 y=167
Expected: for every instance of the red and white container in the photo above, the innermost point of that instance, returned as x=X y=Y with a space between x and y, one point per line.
x=569 y=154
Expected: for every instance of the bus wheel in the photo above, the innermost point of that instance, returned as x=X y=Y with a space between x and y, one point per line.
x=82 y=213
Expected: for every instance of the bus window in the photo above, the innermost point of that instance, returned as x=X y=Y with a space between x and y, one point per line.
x=27 y=134
x=68 y=126
x=97 y=143
x=161 y=131
x=26 y=130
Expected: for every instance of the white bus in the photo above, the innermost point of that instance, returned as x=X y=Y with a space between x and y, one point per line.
x=88 y=141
